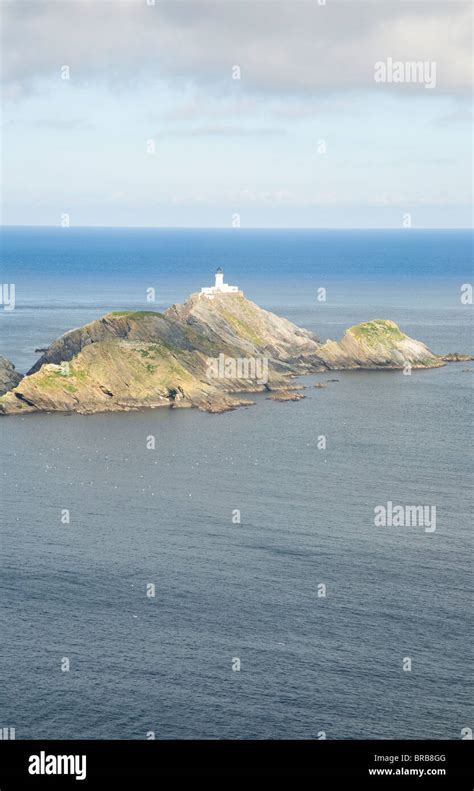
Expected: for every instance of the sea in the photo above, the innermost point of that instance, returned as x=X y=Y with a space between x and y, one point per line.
x=231 y=583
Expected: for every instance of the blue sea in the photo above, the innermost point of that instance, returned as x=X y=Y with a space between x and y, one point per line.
x=309 y=664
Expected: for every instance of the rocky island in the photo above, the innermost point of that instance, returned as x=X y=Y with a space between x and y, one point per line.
x=200 y=354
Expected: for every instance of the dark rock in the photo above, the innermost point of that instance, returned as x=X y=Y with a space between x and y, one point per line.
x=456 y=357
x=9 y=378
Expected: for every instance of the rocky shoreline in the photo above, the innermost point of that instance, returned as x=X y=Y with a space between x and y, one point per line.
x=201 y=354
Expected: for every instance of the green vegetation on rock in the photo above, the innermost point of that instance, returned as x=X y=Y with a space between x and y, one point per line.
x=242 y=327
x=377 y=331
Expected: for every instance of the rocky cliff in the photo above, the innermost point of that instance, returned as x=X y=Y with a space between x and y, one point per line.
x=9 y=378
x=250 y=330
x=199 y=354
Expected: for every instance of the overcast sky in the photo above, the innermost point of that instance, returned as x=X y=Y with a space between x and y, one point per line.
x=153 y=129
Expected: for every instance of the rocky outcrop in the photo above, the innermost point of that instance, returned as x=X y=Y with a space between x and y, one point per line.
x=456 y=357
x=9 y=378
x=377 y=344
x=285 y=395
x=201 y=354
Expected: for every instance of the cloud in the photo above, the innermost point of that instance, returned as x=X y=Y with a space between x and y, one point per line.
x=201 y=106
x=58 y=124
x=240 y=198
x=294 y=47
x=220 y=130
x=459 y=116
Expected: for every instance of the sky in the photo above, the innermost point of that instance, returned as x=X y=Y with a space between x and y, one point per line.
x=236 y=113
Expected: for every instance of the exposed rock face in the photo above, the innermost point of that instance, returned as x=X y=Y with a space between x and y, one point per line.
x=377 y=344
x=130 y=360
x=146 y=326
x=9 y=378
x=243 y=325
x=123 y=374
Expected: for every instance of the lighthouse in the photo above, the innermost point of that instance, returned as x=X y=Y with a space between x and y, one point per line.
x=219 y=286
x=219 y=279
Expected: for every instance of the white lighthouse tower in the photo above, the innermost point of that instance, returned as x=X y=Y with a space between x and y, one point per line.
x=219 y=286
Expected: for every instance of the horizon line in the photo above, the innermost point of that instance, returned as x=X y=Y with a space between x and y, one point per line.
x=228 y=228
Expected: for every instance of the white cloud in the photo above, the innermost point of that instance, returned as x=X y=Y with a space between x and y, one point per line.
x=282 y=48
x=219 y=130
